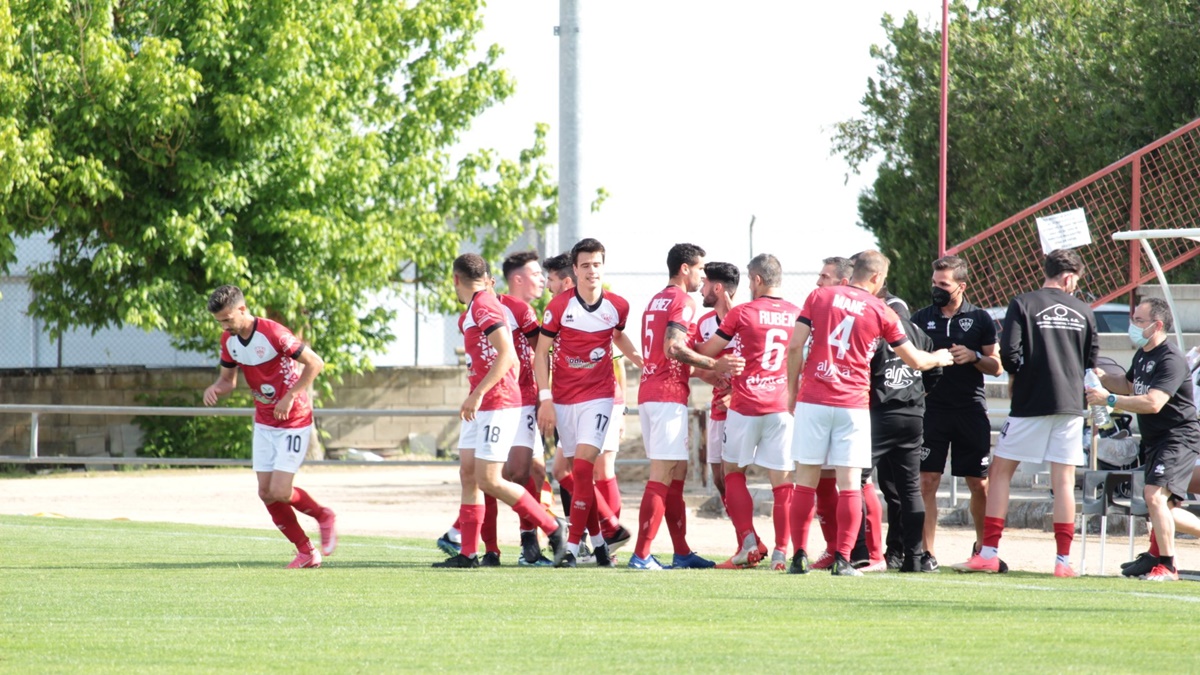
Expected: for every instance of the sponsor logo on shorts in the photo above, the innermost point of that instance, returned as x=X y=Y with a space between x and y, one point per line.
x=924 y=454
x=987 y=459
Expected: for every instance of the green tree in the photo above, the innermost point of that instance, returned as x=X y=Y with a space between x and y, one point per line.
x=297 y=148
x=1042 y=93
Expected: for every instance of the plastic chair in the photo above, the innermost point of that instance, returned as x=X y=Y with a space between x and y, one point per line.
x=1100 y=499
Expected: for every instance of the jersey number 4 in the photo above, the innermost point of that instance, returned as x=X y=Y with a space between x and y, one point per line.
x=840 y=337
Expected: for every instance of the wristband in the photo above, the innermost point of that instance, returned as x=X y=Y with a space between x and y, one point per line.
x=1112 y=400
x=544 y=395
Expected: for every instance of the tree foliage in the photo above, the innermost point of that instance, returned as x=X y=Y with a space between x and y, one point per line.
x=1042 y=93
x=297 y=148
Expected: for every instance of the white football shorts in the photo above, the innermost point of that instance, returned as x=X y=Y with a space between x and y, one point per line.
x=758 y=439
x=528 y=434
x=831 y=437
x=490 y=434
x=583 y=423
x=716 y=440
x=276 y=449
x=1048 y=438
x=664 y=430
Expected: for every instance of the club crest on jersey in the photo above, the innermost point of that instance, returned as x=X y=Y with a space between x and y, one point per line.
x=260 y=351
x=607 y=317
x=1149 y=367
x=966 y=324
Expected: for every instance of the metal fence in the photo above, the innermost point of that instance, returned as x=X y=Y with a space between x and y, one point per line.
x=1157 y=187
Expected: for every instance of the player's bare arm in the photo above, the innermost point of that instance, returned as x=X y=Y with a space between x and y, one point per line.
x=795 y=361
x=1116 y=384
x=675 y=347
x=1149 y=403
x=546 y=417
x=712 y=346
x=226 y=383
x=506 y=360
x=622 y=341
x=922 y=360
x=313 y=365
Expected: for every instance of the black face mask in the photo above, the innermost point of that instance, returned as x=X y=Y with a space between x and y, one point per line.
x=941 y=296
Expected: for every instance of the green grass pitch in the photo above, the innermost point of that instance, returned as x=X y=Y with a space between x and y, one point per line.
x=103 y=596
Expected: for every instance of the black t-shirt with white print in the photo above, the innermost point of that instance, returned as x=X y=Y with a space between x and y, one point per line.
x=1049 y=337
x=1163 y=368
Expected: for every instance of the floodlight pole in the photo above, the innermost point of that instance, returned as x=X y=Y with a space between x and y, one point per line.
x=570 y=198
x=942 y=124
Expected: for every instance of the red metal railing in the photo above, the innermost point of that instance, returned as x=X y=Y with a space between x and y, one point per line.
x=1157 y=187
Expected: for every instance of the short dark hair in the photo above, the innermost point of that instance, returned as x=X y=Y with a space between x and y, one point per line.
x=767 y=267
x=225 y=297
x=471 y=266
x=683 y=254
x=1160 y=311
x=723 y=273
x=868 y=264
x=560 y=265
x=516 y=261
x=841 y=266
x=587 y=245
x=1062 y=260
x=954 y=263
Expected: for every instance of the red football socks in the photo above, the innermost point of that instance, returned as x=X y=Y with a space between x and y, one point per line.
x=305 y=504
x=804 y=500
x=1064 y=534
x=284 y=517
x=532 y=489
x=992 y=529
x=487 y=529
x=471 y=516
x=676 y=516
x=739 y=503
x=612 y=495
x=650 y=516
x=530 y=510
x=604 y=519
x=583 y=498
x=874 y=522
x=849 y=519
x=781 y=515
x=827 y=502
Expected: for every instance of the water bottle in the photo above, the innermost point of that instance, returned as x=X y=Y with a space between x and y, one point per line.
x=1100 y=416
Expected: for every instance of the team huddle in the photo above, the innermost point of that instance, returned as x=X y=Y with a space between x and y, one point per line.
x=821 y=396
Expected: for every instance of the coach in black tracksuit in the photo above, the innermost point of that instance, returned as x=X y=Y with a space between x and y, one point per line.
x=897 y=421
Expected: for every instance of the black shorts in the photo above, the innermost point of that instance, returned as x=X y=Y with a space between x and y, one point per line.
x=970 y=434
x=1170 y=463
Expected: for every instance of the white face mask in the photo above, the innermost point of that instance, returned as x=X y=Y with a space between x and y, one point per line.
x=1136 y=336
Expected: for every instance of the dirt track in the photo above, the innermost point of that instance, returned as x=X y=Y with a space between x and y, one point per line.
x=421 y=502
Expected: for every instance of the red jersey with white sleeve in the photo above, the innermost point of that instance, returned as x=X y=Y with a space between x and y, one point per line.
x=268 y=361
x=583 y=341
x=706 y=327
x=847 y=324
x=665 y=380
x=523 y=323
x=759 y=332
x=483 y=316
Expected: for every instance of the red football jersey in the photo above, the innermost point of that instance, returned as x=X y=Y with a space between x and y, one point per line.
x=523 y=323
x=706 y=327
x=485 y=314
x=847 y=323
x=759 y=332
x=583 y=335
x=665 y=380
x=268 y=361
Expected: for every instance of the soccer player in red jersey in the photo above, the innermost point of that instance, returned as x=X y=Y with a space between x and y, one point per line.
x=583 y=326
x=279 y=370
x=667 y=323
x=831 y=402
x=758 y=426
x=720 y=284
x=491 y=413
